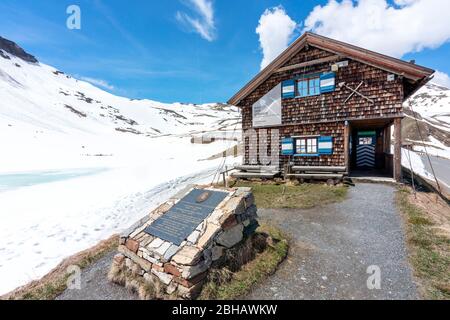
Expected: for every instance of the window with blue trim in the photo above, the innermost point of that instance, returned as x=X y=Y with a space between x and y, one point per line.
x=306 y=145
x=308 y=86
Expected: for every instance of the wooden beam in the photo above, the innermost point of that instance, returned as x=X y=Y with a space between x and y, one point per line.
x=318 y=168
x=318 y=176
x=346 y=146
x=310 y=63
x=398 y=149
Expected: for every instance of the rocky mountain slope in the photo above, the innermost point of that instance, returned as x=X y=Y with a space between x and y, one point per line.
x=44 y=105
x=430 y=106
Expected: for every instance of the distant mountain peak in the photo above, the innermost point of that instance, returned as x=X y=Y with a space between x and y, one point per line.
x=12 y=48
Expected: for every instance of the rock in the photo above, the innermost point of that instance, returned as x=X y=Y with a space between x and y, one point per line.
x=155 y=244
x=157 y=268
x=173 y=270
x=161 y=250
x=190 y=293
x=217 y=252
x=188 y=255
x=147 y=277
x=206 y=238
x=233 y=206
x=171 y=252
x=192 y=271
x=193 y=237
x=122 y=240
x=242 y=191
x=249 y=214
x=230 y=222
x=247 y=193
x=251 y=227
x=148 y=239
x=147 y=256
x=201 y=227
x=138 y=228
x=215 y=216
x=191 y=282
x=231 y=237
x=163 y=277
x=246 y=223
x=147 y=266
x=118 y=259
x=132 y=245
x=128 y=263
x=163 y=208
x=172 y=287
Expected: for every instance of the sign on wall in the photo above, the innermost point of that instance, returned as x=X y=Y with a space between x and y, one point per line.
x=267 y=110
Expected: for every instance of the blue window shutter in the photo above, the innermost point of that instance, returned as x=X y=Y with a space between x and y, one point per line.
x=327 y=82
x=325 y=145
x=287 y=146
x=288 y=89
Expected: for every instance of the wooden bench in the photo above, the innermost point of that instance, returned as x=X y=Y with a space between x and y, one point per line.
x=249 y=175
x=318 y=169
x=317 y=176
x=316 y=172
x=251 y=168
x=255 y=172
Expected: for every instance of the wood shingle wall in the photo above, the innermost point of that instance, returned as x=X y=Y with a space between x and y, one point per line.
x=326 y=114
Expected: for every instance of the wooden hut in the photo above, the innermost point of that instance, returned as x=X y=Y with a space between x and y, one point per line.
x=332 y=105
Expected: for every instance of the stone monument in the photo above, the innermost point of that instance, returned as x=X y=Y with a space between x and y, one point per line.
x=176 y=244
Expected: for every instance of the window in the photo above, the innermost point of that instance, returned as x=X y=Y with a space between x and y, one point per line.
x=308 y=87
x=306 y=146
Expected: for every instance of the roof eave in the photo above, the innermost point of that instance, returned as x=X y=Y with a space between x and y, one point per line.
x=402 y=68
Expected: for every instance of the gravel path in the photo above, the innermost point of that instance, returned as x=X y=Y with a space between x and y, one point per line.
x=95 y=284
x=332 y=247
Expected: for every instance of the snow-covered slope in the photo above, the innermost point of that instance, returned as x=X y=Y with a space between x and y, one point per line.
x=431 y=107
x=78 y=164
x=58 y=113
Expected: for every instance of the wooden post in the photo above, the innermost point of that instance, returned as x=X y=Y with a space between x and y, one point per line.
x=398 y=149
x=346 y=146
x=225 y=184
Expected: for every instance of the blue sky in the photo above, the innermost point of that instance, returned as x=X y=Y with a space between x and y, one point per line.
x=151 y=49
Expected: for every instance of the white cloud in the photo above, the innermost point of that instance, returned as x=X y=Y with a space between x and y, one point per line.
x=275 y=30
x=204 y=23
x=441 y=79
x=98 y=82
x=407 y=26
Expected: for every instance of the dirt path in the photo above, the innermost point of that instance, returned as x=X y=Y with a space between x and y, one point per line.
x=333 y=245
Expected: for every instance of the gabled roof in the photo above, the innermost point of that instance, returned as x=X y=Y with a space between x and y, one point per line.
x=416 y=74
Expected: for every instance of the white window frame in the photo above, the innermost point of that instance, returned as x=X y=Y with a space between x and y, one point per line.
x=307 y=145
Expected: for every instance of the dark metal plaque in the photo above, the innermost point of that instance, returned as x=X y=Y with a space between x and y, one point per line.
x=182 y=219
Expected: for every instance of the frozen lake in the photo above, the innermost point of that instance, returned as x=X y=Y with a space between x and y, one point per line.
x=12 y=181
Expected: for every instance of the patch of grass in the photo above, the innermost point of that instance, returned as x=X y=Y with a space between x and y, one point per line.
x=226 y=284
x=303 y=196
x=429 y=251
x=54 y=283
